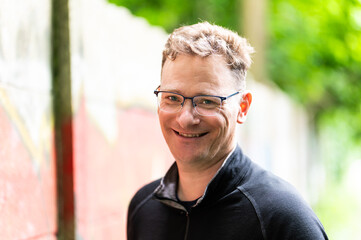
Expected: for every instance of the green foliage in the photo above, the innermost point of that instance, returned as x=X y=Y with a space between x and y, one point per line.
x=315 y=55
x=175 y=13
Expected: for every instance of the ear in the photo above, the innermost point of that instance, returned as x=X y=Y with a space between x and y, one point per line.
x=244 y=107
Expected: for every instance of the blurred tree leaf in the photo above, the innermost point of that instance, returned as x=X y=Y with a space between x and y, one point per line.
x=171 y=14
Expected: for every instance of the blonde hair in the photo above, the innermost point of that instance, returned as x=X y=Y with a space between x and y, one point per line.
x=205 y=39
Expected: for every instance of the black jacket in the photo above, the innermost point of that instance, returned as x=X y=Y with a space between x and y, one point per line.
x=242 y=201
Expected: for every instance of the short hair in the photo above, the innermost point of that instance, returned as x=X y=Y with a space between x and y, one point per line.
x=205 y=39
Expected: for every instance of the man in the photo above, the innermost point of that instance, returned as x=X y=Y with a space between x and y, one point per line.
x=212 y=191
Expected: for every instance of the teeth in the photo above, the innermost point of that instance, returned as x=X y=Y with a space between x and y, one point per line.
x=189 y=135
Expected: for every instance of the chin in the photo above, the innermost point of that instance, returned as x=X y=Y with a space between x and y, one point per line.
x=189 y=156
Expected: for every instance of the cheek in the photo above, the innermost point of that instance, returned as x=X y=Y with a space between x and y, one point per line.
x=220 y=126
x=161 y=118
x=164 y=119
x=227 y=123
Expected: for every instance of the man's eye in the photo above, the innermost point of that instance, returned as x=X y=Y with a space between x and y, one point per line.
x=173 y=98
x=207 y=102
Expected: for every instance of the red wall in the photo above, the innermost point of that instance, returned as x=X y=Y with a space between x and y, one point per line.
x=107 y=174
x=27 y=182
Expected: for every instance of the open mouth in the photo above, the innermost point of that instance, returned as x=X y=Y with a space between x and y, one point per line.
x=190 y=135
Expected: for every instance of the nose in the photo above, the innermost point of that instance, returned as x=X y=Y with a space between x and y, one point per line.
x=187 y=116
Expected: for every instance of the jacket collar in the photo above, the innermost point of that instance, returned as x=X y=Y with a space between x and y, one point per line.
x=228 y=177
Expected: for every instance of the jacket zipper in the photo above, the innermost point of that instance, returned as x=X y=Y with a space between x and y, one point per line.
x=187 y=226
x=180 y=207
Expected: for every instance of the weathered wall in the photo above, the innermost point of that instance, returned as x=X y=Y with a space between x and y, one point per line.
x=118 y=144
x=27 y=182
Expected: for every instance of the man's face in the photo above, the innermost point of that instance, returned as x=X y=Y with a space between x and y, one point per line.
x=193 y=139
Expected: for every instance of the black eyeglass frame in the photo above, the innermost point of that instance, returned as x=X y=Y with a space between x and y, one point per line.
x=156 y=92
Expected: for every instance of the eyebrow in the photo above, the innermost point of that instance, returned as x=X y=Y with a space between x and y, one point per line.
x=197 y=94
x=179 y=92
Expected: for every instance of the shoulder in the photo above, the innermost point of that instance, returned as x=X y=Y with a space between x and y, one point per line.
x=142 y=196
x=140 y=199
x=281 y=210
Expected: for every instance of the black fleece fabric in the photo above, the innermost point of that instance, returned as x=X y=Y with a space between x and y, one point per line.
x=242 y=202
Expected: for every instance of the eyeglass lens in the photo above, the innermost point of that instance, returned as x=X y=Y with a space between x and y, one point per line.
x=204 y=105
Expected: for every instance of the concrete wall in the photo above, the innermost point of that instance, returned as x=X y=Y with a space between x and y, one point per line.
x=117 y=142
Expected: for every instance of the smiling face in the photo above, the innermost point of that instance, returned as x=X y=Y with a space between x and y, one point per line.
x=193 y=139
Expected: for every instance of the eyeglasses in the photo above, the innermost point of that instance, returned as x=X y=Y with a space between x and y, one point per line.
x=205 y=105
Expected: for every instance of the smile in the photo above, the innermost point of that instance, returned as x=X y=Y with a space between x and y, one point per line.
x=190 y=135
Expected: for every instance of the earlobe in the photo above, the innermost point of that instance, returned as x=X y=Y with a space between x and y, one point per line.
x=244 y=107
x=241 y=118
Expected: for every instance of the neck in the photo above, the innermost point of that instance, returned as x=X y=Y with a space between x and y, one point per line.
x=193 y=181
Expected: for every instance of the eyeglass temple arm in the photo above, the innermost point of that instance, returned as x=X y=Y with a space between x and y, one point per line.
x=156 y=90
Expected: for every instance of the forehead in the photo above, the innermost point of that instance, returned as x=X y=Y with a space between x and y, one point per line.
x=193 y=73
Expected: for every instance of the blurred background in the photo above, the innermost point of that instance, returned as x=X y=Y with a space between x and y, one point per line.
x=79 y=133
